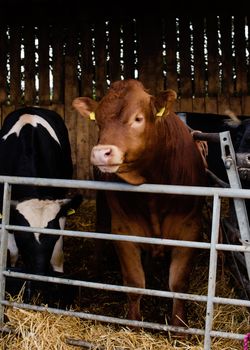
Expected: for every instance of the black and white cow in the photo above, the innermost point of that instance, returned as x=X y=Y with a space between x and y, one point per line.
x=34 y=142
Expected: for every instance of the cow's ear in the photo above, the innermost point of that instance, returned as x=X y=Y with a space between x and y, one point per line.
x=69 y=206
x=164 y=102
x=85 y=106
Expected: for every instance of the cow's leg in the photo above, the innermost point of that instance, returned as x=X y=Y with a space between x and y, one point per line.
x=57 y=258
x=129 y=253
x=179 y=273
x=12 y=247
x=132 y=273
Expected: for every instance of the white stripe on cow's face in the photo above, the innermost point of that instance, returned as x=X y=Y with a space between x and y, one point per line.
x=33 y=120
x=39 y=213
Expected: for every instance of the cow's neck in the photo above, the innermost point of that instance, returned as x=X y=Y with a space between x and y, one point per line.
x=132 y=177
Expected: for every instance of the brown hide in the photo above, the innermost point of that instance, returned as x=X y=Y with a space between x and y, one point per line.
x=141 y=140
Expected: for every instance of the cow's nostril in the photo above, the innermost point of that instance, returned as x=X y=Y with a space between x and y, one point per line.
x=108 y=153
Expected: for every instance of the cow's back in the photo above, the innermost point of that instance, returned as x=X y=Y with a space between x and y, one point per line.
x=39 y=150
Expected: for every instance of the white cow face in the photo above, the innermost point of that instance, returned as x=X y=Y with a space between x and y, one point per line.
x=40 y=251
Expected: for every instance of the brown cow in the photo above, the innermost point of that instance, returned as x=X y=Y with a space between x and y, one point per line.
x=141 y=140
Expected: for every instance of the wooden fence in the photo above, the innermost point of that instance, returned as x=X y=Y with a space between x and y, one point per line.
x=205 y=59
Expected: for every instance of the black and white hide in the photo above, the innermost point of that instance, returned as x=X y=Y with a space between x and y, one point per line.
x=34 y=142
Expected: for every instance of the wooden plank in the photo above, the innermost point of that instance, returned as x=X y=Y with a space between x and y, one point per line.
x=29 y=64
x=177 y=105
x=114 y=47
x=86 y=60
x=3 y=63
x=82 y=142
x=150 y=58
x=186 y=88
x=15 y=64
x=247 y=28
x=199 y=105
x=246 y=105
x=186 y=104
x=211 y=105
x=71 y=90
x=240 y=55
x=43 y=65
x=57 y=40
x=58 y=108
x=84 y=168
x=226 y=48
x=93 y=138
x=6 y=109
x=199 y=59
x=100 y=59
x=129 y=48
x=213 y=59
x=236 y=104
x=171 y=80
x=223 y=104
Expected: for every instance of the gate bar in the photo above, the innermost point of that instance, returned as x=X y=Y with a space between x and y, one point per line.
x=4 y=245
x=228 y=156
x=212 y=272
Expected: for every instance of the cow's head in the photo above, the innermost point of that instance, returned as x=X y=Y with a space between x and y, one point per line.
x=126 y=118
x=41 y=252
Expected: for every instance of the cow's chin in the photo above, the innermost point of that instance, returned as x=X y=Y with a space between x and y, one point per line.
x=108 y=168
x=130 y=176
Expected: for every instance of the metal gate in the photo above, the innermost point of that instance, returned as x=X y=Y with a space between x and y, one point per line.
x=210 y=299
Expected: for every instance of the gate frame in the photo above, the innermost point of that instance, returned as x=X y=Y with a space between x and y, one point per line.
x=214 y=246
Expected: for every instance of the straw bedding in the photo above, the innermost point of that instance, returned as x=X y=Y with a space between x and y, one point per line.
x=42 y=330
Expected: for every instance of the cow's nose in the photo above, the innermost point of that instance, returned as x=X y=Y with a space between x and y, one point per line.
x=101 y=154
x=106 y=155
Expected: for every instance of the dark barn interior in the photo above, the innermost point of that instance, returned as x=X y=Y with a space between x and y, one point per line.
x=51 y=53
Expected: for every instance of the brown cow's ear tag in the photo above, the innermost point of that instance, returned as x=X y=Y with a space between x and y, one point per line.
x=92 y=115
x=161 y=112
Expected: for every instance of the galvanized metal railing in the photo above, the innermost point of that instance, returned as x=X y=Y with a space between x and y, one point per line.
x=214 y=247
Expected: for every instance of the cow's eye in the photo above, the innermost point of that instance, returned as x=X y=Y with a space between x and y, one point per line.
x=137 y=121
x=138 y=118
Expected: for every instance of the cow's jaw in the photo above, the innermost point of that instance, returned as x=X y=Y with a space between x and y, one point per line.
x=132 y=177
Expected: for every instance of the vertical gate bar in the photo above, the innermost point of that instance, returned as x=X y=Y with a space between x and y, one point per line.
x=228 y=156
x=212 y=271
x=4 y=245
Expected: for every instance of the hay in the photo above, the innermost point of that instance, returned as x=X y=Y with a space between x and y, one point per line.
x=45 y=331
x=42 y=330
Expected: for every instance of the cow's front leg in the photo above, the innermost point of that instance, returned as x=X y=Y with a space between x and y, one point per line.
x=179 y=274
x=57 y=258
x=132 y=273
x=12 y=247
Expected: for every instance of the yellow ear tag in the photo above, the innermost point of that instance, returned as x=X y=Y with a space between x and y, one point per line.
x=71 y=212
x=161 y=112
x=1 y=216
x=92 y=116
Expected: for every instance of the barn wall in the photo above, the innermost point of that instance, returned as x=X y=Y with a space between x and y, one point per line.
x=205 y=59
